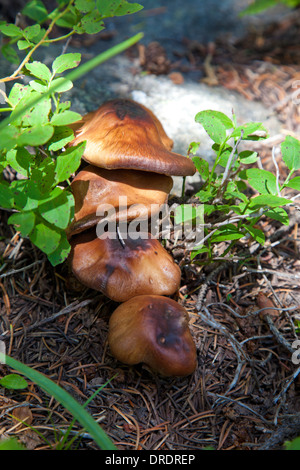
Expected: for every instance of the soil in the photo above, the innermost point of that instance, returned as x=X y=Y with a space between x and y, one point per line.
x=243 y=309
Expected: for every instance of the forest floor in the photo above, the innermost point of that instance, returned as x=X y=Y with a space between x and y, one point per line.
x=244 y=393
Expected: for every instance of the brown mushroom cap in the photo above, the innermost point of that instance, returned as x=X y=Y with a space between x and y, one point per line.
x=125 y=134
x=153 y=330
x=94 y=187
x=121 y=271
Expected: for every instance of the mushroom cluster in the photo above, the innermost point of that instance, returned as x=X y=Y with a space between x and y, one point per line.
x=129 y=171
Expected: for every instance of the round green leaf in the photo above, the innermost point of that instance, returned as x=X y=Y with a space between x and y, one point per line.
x=13 y=381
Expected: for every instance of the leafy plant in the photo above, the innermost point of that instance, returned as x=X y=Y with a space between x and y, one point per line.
x=13 y=381
x=261 y=5
x=225 y=194
x=35 y=135
x=78 y=411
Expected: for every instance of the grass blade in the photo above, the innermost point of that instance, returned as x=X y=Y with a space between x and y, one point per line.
x=63 y=397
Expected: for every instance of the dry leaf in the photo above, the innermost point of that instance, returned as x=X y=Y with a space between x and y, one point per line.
x=22 y=414
x=264 y=302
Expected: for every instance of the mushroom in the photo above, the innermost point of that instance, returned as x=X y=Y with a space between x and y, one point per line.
x=123 y=268
x=125 y=134
x=94 y=188
x=153 y=330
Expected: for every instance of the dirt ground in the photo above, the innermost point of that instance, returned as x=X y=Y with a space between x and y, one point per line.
x=244 y=393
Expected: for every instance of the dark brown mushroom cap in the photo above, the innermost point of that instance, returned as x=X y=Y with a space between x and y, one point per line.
x=95 y=187
x=120 y=272
x=125 y=134
x=153 y=330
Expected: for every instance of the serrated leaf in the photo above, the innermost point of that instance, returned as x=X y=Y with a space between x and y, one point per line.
x=290 y=150
x=262 y=180
x=46 y=238
x=13 y=381
x=35 y=136
x=24 y=221
x=65 y=62
x=18 y=92
x=127 y=8
x=65 y=118
x=39 y=70
x=68 y=162
x=38 y=115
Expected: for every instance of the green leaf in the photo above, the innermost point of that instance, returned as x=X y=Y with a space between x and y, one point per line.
x=45 y=238
x=65 y=118
x=251 y=131
x=35 y=136
x=24 y=44
x=258 y=6
x=26 y=194
x=62 y=251
x=61 y=137
x=10 y=54
x=262 y=180
x=85 y=5
x=6 y=196
x=57 y=209
x=8 y=137
x=65 y=62
x=193 y=147
x=186 y=213
x=247 y=157
x=18 y=92
x=202 y=167
x=68 y=162
x=290 y=150
x=215 y=124
x=31 y=32
x=11 y=444
x=39 y=70
x=38 y=115
x=35 y=10
x=24 y=221
x=268 y=200
x=294 y=183
x=11 y=30
x=126 y=8
x=61 y=85
x=20 y=159
x=228 y=232
x=92 y=23
x=278 y=213
x=257 y=234
x=13 y=381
